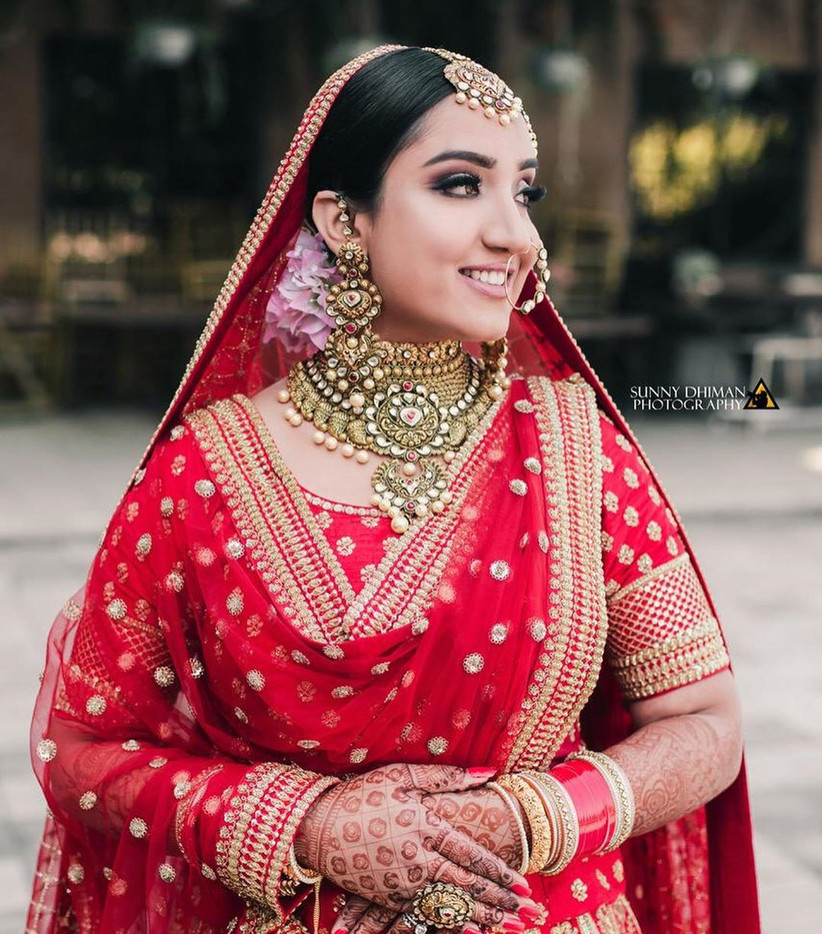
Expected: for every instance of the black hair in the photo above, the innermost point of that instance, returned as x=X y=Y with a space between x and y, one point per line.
x=375 y=116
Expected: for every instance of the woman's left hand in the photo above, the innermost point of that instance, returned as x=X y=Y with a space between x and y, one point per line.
x=484 y=816
x=481 y=814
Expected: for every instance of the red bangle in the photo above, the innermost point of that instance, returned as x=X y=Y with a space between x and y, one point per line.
x=593 y=802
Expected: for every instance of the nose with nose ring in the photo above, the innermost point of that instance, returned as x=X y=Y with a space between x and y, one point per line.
x=543 y=275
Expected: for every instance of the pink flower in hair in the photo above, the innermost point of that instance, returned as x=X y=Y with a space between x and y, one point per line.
x=295 y=313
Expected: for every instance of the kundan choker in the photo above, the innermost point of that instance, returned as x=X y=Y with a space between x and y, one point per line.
x=411 y=402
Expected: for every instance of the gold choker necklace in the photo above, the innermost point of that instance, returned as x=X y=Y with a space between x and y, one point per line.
x=407 y=401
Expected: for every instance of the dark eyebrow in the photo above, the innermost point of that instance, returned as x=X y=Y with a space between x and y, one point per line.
x=486 y=162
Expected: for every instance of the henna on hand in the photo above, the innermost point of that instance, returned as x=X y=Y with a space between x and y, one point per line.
x=374 y=836
x=678 y=763
x=484 y=816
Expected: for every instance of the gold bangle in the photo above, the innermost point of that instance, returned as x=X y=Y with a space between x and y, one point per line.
x=510 y=800
x=623 y=795
x=541 y=831
x=568 y=821
x=298 y=872
x=557 y=835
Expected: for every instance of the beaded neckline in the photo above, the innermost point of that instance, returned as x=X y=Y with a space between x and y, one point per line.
x=333 y=505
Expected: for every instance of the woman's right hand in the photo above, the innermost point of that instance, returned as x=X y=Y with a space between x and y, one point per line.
x=372 y=835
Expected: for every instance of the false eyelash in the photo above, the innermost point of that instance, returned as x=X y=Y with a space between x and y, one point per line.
x=454 y=181
x=535 y=193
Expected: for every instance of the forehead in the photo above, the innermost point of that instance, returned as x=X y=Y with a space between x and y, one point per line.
x=449 y=125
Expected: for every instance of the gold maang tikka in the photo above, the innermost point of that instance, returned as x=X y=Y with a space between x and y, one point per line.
x=409 y=401
x=481 y=90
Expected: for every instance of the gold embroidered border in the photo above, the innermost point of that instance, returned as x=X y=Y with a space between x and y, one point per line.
x=290 y=550
x=259 y=828
x=662 y=632
x=570 y=443
x=271 y=528
x=659 y=571
x=617 y=917
x=690 y=656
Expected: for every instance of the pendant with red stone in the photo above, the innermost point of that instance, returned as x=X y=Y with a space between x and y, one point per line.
x=410 y=489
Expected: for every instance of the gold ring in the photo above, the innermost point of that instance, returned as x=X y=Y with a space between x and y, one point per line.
x=442 y=905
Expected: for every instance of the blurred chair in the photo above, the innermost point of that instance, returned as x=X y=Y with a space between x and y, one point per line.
x=205 y=238
x=796 y=355
x=24 y=352
x=26 y=335
x=587 y=251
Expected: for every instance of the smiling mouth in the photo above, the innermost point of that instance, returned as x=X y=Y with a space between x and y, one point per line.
x=486 y=277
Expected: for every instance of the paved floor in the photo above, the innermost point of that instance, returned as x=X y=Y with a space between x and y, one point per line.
x=752 y=504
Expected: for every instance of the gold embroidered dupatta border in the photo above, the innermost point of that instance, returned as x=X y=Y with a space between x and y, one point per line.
x=290 y=551
x=571 y=450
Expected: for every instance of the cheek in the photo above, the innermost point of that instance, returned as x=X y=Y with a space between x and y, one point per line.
x=435 y=232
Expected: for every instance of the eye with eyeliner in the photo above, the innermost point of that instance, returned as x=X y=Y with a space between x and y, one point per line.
x=534 y=193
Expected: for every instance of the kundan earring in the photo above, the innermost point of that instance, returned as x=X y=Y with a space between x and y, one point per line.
x=543 y=275
x=356 y=301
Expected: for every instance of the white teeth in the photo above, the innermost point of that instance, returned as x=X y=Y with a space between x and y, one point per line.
x=484 y=275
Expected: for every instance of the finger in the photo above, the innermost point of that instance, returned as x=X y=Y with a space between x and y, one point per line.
x=462 y=850
x=404 y=924
x=486 y=916
x=374 y=920
x=479 y=887
x=432 y=778
x=353 y=909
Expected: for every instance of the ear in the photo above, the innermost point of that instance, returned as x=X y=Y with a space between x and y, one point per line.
x=326 y=214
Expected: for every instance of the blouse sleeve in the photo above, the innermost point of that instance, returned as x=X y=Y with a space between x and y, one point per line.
x=141 y=792
x=661 y=631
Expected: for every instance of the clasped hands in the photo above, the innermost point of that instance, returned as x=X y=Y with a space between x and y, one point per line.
x=385 y=834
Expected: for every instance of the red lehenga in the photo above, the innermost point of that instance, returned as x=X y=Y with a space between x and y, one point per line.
x=232 y=619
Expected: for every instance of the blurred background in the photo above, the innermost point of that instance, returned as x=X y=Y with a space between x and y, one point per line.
x=681 y=144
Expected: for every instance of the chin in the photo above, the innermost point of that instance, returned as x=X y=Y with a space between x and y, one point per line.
x=491 y=330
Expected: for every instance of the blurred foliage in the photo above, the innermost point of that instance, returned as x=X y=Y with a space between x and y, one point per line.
x=676 y=170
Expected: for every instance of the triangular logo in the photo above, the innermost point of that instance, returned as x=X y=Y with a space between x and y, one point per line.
x=760 y=398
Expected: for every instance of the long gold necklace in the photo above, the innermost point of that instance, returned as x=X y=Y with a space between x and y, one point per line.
x=409 y=401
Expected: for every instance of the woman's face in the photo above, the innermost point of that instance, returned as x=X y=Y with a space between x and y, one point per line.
x=452 y=202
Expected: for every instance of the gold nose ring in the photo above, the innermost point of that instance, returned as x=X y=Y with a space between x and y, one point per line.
x=543 y=275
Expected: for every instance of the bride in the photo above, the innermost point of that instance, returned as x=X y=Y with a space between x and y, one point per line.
x=394 y=627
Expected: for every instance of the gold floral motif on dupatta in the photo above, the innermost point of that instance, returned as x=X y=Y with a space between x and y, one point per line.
x=571 y=450
x=288 y=547
x=615 y=918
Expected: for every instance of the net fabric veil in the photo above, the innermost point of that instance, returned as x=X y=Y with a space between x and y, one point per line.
x=108 y=716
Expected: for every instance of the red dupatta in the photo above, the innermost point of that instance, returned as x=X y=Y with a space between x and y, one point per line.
x=145 y=720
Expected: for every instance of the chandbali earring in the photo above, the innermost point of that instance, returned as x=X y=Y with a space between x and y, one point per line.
x=543 y=275
x=354 y=302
